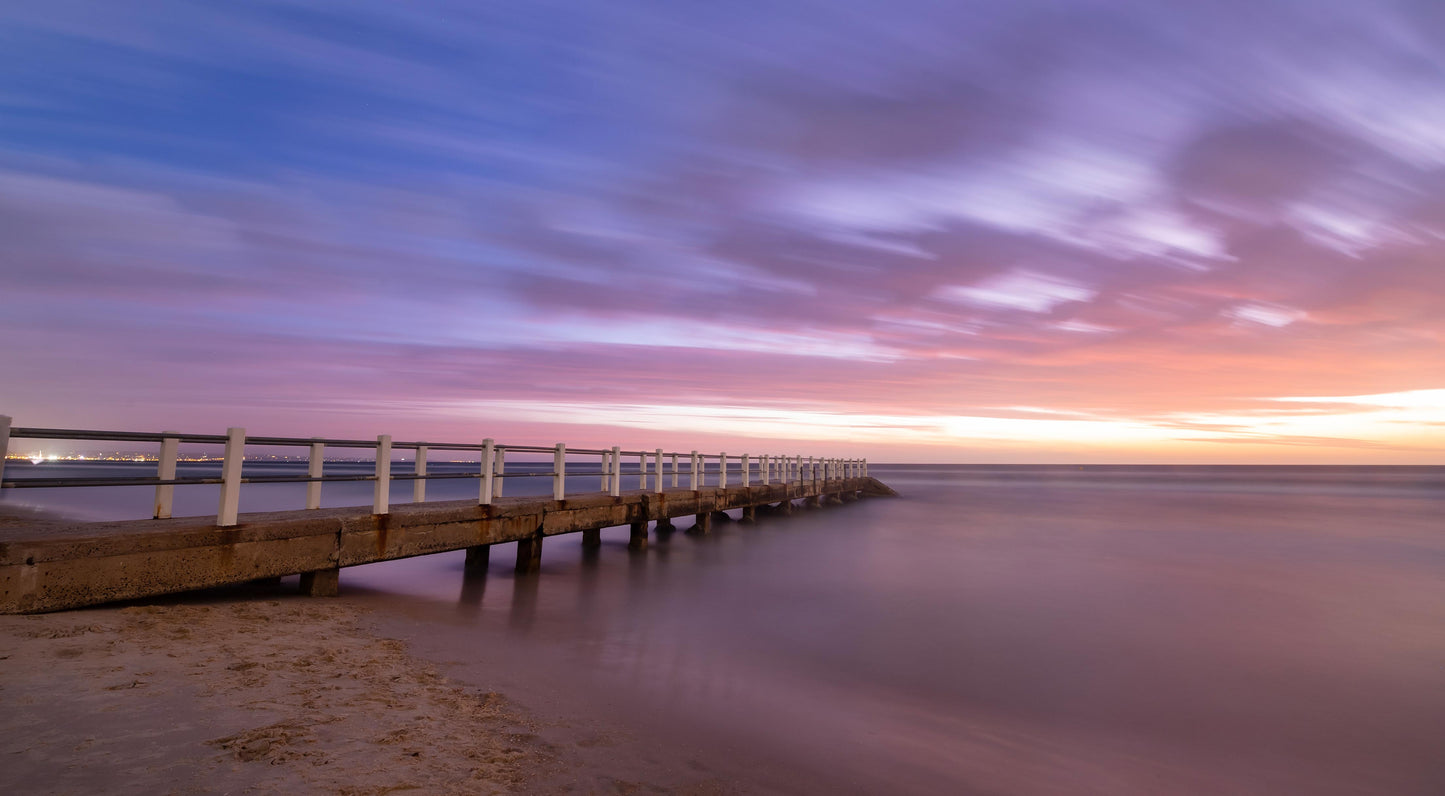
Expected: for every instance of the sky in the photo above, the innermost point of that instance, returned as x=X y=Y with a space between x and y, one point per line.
x=1083 y=231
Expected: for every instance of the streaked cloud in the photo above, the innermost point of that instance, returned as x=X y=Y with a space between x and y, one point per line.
x=865 y=223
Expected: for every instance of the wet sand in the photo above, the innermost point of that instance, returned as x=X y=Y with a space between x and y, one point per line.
x=245 y=694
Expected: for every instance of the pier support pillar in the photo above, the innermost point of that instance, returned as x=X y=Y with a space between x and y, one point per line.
x=478 y=558
x=592 y=537
x=665 y=525
x=810 y=502
x=529 y=554
x=702 y=524
x=321 y=583
x=750 y=514
x=784 y=508
x=638 y=539
x=721 y=516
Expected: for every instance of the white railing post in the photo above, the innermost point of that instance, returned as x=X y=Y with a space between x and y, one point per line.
x=231 y=476
x=559 y=472
x=722 y=470
x=616 y=471
x=4 y=442
x=418 y=487
x=865 y=468
x=674 y=471
x=692 y=472
x=657 y=470
x=315 y=463
x=606 y=471
x=381 y=500
x=499 y=459
x=745 y=470
x=488 y=474
x=642 y=470
x=766 y=465
x=166 y=471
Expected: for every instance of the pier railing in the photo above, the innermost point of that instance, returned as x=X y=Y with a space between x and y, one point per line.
x=655 y=469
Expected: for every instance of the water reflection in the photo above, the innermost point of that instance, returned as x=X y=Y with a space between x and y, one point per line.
x=474 y=590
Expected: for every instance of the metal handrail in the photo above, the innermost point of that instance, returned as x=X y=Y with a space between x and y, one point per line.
x=491 y=466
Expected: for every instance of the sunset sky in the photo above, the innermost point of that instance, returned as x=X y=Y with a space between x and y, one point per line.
x=1013 y=231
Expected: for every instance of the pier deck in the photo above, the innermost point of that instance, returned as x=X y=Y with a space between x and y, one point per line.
x=48 y=567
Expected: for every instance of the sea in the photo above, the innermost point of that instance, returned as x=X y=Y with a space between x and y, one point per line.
x=992 y=630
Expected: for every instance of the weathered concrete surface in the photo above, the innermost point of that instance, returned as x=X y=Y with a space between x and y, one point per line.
x=50 y=567
x=322 y=583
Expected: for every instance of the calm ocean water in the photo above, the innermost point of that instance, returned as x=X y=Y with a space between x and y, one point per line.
x=995 y=630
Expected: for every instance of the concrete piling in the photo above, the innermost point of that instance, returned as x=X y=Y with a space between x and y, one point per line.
x=321 y=583
x=529 y=554
x=702 y=524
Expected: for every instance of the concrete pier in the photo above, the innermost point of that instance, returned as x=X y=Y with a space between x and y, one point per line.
x=67 y=566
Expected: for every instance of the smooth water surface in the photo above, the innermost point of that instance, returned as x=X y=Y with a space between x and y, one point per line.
x=995 y=630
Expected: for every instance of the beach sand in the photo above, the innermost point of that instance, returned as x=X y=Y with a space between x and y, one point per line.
x=237 y=695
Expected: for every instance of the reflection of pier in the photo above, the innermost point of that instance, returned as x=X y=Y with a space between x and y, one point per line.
x=50 y=567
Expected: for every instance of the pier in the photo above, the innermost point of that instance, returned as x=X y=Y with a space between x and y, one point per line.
x=52 y=566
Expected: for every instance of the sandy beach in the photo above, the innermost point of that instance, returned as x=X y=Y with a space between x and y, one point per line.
x=246 y=695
